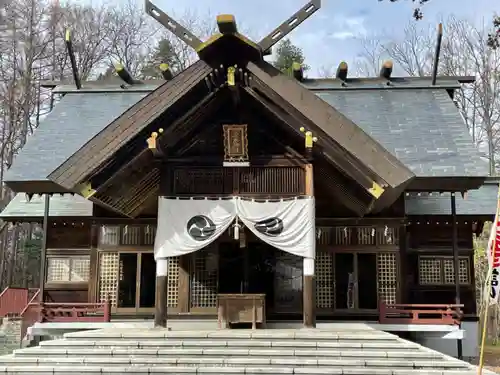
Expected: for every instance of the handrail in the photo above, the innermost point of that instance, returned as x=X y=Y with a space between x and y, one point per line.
x=13 y=300
x=32 y=300
x=443 y=314
x=29 y=315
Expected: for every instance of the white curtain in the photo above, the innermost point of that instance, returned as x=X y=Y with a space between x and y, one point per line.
x=187 y=225
x=287 y=224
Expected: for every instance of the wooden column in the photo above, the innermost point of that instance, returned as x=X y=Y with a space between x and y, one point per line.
x=456 y=261
x=309 y=284
x=93 y=293
x=161 y=292
x=43 y=255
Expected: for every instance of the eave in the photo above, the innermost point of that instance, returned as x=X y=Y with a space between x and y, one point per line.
x=340 y=139
x=135 y=120
x=136 y=179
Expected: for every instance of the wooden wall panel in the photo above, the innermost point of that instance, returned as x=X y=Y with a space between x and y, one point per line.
x=272 y=181
x=68 y=236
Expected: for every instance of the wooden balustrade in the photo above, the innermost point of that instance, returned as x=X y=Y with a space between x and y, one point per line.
x=50 y=312
x=420 y=314
x=75 y=312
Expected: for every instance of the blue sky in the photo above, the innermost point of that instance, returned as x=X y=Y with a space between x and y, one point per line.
x=332 y=34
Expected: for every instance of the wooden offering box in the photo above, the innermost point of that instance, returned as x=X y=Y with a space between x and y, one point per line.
x=241 y=308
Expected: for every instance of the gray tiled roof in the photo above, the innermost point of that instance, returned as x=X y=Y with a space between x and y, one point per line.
x=482 y=201
x=75 y=119
x=59 y=206
x=422 y=128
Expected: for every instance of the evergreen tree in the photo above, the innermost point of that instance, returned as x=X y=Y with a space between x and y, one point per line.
x=163 y=53
x=286 y=54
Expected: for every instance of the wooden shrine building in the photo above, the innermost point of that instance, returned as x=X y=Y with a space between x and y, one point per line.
x=395 y=184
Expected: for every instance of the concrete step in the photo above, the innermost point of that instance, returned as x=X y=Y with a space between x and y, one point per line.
x=222 y=343
x=61 y=351
x=305 y=334
x=231 y=361
x=144 y=351
x=262 y=370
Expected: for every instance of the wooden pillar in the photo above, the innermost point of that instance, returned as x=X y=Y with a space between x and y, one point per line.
x=161 y=292
x=309 y=283
x=93 y=293
x=404 y=280
x=43 y=255
x=456 y=261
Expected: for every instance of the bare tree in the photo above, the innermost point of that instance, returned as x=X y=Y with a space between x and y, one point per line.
x=131 y=35
x=464 y=52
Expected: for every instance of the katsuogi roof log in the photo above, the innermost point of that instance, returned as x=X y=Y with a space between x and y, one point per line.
x=341 y=140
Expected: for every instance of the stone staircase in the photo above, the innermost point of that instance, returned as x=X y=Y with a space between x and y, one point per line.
x=157 y=351
x=10 y=335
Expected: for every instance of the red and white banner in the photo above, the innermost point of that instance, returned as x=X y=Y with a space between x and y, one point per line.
x=494 y=258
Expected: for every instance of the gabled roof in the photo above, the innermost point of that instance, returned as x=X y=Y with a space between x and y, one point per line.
x=125 y=127
x=386 y=107
x=341 y=139
x=75 y=119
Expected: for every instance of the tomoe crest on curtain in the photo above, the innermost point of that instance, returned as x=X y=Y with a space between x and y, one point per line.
x=200 y=227
x=270 y=227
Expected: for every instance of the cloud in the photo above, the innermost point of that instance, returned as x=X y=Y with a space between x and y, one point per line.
x=348 y=27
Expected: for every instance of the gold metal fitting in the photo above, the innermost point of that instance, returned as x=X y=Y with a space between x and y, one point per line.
x=151 y=141
x=231 y=79
x=309 y=138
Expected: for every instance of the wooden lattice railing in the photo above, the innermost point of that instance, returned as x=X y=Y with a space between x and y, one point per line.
x=420 y=314
x=49 y=312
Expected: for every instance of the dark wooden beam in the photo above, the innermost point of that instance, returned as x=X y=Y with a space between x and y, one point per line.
x=445 y=184
x=330 y=125
x=122 y=130
x=125 y=75
x=342 y=71
x=359 y=221
x=166 y=72
x=171 y=133
x=137 y=183
x=43 y=253
x=309 y=287
x=161 y=292
x=339 y=189
x=72 y=59
x=227 y=24
x=456 y=262
x=386 y=70
x=261 y=161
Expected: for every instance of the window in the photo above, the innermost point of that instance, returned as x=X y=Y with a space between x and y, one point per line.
x=440 y=270
x=127 y=235
x=68 y=269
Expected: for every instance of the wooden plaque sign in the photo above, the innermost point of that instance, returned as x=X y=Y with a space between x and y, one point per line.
x=235 y=146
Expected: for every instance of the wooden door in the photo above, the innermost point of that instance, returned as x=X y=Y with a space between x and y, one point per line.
x=356 y=282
